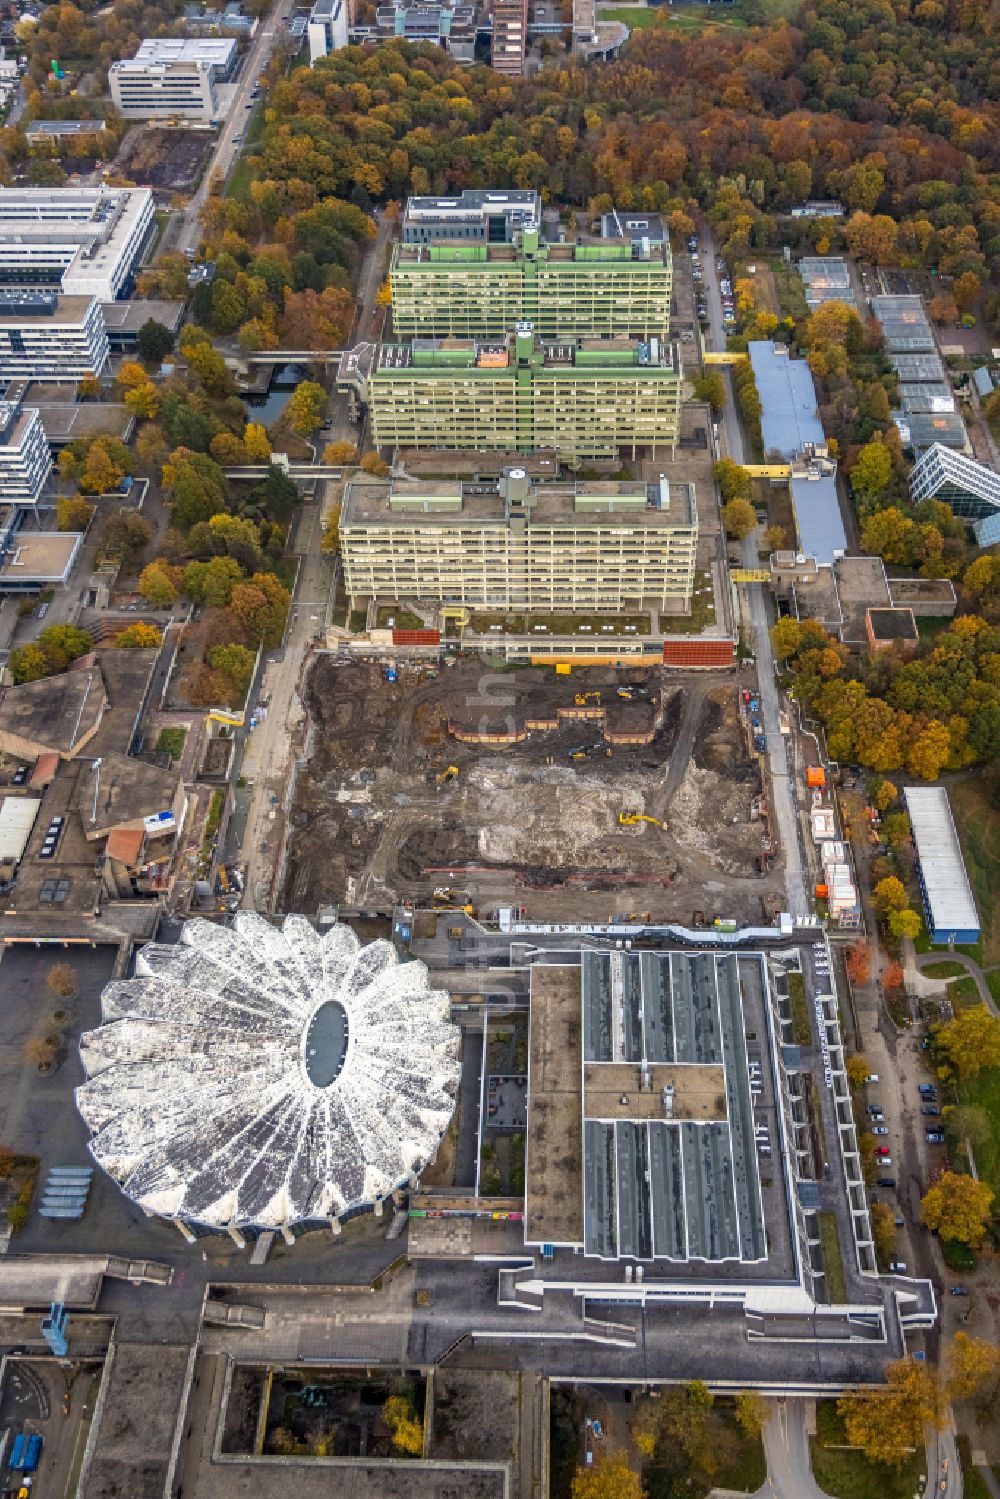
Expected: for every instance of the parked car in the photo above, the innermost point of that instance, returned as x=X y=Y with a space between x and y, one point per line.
x=875 y=1112
x=882 y=1150
x=872 y=1077
x=887 y=1181
x=20 y=776
x=927 y=1089
x=879 y=1129
x=935 y=1136
x=959 y=1291
x=898 y=1265
x=933 y=1112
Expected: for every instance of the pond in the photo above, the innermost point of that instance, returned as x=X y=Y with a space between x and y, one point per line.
x=267 y=408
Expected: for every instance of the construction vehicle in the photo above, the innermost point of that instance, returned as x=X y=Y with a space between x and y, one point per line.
x=633 y=694
x=582 y=698
x=629 y=819
x=582 y=752
x=450 y=773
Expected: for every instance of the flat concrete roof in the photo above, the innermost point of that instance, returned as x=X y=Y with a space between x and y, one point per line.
x=65 y=421
x=39 y=1279
x=615 y=1090
x=42 y=555
x=55 y=712
x=554 y=1160
x=68 y=309
x=548 y=505
x=122 y=790
x=121 y=317
x=144 y=1390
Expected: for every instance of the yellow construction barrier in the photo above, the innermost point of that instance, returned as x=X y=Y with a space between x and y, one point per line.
x=226 y=716
x=728 y=356
x=750 y=575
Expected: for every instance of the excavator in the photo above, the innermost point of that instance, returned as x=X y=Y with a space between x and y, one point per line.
x=452 y=900
x=450 y=773
x=582 y=698
x=629 y=819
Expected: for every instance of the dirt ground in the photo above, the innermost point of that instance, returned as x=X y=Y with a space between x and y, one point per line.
x=525 y=823
x=170 y=160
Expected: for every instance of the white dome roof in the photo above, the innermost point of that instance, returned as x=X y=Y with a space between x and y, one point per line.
x=200 y=1097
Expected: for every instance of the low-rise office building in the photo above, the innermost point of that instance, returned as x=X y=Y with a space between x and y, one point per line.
x=603 y=287
x=582 y=398
x=56 y=132
x=44 y=336
x=25 y=459
x=476 y=216
x=163 y=90
x=596 y=546
x=173 y=76
x=86 y=242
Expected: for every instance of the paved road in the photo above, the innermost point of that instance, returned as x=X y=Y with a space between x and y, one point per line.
x=266 y=755
x=733 y=445
x=184 y=231
x=786 y=1446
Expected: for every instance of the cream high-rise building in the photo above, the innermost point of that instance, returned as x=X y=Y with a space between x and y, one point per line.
x=602 y=546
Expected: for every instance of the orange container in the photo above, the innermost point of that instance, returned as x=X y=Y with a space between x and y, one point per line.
x=815 y=775
x=822 y=891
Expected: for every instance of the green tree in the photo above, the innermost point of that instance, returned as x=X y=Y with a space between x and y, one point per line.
x=235 y=663
x=212 y=583
x=306 y=407
x=710 y=387
x=28 y=663
x=155 y=341
x=197 y=485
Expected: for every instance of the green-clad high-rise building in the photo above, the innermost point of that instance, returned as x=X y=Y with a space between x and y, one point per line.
x=579 y=398
x=604 y=288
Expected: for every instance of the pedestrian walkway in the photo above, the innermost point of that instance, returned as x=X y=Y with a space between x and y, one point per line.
x=925 y=987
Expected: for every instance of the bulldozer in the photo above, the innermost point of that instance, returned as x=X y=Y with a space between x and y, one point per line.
x=582 y=698
x=450 y=773
x=629 y=819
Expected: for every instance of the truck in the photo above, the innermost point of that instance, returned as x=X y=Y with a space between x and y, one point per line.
x=392 y=672
x=760 y=743
x=33 y=1453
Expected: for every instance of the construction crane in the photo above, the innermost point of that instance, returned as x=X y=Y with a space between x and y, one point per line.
x=582 y=698
x=629 y=819
x=450 y=773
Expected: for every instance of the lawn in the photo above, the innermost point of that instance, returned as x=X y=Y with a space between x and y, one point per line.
x=704 y=18
x=789 y=289
x=984 y=1092
x=947 y=970
x=975 y=1484
x=801 y=1029
x=171 y=742
x=978 y=823
x=402 y=619
x=845 y=1473
x=836 y=1284
x=963 y=993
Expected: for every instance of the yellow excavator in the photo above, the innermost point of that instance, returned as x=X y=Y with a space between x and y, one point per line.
x=450 y=773
x=582 y=698
x=629 y=819
x=453 y=901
